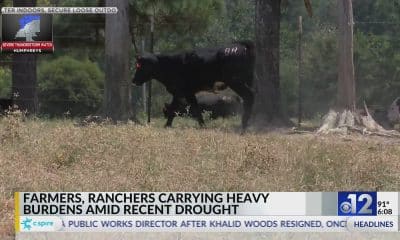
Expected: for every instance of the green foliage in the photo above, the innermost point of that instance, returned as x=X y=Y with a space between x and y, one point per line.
x=6 y=3
x=377 y=54
x=320 y=72
x=69 y=85
x=82 y=32
x=288 y=69
x=40 y=3
x=177 y=22
x=234 y=22
x=5 y=82
x=378 y=69
x=184 y=24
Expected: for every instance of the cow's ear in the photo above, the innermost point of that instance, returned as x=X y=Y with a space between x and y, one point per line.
x=138 y=57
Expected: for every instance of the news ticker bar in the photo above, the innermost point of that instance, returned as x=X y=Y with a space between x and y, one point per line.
x=209 y=224
x=209 y=211
x=59 y=10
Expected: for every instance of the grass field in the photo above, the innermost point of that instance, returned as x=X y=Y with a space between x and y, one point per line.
x=57 y=155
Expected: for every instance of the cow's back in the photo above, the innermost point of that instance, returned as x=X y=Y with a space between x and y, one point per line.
x=237 y=62
x=230 y=64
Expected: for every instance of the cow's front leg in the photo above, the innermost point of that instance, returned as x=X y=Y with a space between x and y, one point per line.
x=171 y=110
x=191 y=99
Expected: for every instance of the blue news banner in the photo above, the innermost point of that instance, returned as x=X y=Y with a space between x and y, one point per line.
x=206 y=212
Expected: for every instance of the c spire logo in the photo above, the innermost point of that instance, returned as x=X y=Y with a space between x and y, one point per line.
x=27 y=224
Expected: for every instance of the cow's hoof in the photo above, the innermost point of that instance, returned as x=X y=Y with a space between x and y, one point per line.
x=167 y=126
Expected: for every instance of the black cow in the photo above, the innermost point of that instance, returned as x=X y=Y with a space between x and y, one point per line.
x=219 y=104
x=5 y=104
x=187 y=73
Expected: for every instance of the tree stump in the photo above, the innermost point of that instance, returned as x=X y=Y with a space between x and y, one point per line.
x=350 y=121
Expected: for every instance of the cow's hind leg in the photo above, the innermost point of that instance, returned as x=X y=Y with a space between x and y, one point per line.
x=247 y=95
x=171 y=110
x=191 y=99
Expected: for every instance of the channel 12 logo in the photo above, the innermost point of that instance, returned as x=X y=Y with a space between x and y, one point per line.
x=357 y=203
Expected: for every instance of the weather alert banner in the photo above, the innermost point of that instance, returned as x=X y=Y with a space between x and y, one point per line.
x=206 y=212
x=27 y=33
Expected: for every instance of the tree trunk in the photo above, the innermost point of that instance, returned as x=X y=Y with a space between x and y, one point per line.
x=346 y=98
x=117 y=99
x=268 y=99
x=24 y=82
x=345 y=118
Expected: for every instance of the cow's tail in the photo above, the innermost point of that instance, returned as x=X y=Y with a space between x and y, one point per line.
x=251 y=58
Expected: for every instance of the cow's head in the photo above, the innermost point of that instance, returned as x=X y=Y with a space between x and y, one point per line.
x=146 y=68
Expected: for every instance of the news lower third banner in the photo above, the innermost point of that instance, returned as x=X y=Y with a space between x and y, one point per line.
x=207 y=212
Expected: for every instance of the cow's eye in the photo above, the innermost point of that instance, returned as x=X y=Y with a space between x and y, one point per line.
x=138 y=65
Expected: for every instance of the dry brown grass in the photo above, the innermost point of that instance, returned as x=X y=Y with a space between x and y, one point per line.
x=37 y=155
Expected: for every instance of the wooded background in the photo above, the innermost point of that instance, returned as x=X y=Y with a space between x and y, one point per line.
x=72 y=81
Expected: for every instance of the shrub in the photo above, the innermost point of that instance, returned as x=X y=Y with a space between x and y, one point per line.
x=5 y=82
x=67 y=85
